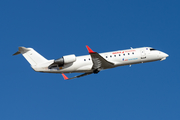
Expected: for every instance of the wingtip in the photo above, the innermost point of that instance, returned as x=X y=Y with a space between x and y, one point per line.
x=64 y=76
x=89 y=49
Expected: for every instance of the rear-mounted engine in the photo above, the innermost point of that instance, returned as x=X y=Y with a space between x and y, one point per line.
x=62 y=61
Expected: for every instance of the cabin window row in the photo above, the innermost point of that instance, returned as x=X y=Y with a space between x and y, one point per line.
x=87 y=59
x=114 y=56
x=120 y=55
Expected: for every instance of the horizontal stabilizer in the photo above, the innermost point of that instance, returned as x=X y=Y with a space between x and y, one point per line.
x=17 y=53
x=33 y=57
x=21 y=50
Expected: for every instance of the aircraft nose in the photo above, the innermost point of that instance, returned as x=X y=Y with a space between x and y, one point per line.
x=165 y=55
x=162 y=54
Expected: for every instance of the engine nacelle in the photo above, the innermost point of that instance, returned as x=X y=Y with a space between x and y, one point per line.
x=69 y=58
x=64 y=60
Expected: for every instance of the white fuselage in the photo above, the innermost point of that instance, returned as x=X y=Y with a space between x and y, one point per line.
x=118 y=58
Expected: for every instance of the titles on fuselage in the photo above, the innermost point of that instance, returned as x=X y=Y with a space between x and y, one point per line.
x=119 y=52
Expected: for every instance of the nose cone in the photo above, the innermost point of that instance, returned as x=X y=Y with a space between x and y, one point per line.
x=165 y=55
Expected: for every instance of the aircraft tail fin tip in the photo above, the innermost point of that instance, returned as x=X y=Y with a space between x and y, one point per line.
x=21 y=50
x=31 y=56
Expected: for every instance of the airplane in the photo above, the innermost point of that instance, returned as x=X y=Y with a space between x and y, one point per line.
x=92 y=63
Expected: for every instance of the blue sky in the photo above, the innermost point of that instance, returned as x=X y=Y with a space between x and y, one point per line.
x=56 y=28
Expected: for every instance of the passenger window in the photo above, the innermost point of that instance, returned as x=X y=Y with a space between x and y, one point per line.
x=119 y=54
x=89 y=59
x=84 y=59
x=128 y=53
x=106 y=56
x=114 y=55
x=110 y=56
x=133 y=53
x=124 y=54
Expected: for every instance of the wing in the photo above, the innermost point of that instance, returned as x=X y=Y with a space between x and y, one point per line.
x=66 y=78
x=99 y=62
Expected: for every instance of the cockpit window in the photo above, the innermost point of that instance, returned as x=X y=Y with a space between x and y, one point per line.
x=151 y=49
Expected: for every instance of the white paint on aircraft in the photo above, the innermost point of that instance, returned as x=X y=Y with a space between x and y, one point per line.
x=92 y=63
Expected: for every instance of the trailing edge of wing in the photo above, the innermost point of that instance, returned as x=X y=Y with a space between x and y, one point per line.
x=66 y=78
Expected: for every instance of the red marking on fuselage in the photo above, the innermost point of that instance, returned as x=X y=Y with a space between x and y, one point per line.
x=119 y=52
x=116 y=52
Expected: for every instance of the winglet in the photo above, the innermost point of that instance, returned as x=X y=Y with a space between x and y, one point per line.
x=64 y=76
x=89 y=49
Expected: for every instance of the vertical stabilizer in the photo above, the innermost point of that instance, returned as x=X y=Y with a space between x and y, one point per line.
x=33 y=57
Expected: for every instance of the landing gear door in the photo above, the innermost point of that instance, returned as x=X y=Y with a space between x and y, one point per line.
x=143 y=54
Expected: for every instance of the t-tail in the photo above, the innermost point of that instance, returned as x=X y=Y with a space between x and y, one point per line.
x=36 y=60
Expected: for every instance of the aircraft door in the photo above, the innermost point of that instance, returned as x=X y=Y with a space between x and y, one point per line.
x=143 y=54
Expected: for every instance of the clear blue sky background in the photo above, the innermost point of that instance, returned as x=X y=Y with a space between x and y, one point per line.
x=149 y=91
